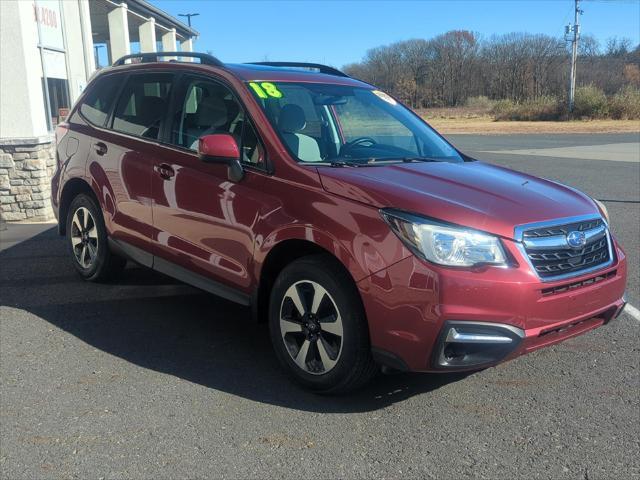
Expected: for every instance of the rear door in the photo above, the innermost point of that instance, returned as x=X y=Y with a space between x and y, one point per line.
x=123 y=156
x=86 y=126
x=203 y=221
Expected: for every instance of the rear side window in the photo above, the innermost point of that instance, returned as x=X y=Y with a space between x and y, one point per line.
x=143 y=104
x=98 y=102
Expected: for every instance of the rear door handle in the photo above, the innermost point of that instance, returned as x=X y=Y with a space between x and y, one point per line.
x=100 y=148
x=165 y=171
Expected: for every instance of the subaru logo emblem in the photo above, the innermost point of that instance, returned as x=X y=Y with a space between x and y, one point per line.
x=576 y=239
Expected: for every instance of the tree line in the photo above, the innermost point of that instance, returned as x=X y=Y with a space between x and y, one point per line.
x=447 y=70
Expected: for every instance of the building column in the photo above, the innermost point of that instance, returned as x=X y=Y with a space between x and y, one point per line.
x=110 y=58
x=87 y=38
x=169 y=43
x=187 y=46
x=119 y=32
x=147 y=32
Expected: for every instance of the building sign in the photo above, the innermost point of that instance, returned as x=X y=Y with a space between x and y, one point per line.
x=47 y=14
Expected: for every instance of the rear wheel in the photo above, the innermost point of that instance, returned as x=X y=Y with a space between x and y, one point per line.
x=318 y=326
x=87 y=241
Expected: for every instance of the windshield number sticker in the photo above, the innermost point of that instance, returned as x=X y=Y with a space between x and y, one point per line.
x=266 y=90
x=384 y=96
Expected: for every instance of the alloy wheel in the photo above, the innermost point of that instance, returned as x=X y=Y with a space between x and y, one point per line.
x=311 y=327
x=84 y=237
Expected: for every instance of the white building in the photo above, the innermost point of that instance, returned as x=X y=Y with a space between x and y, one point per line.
x=47 y=55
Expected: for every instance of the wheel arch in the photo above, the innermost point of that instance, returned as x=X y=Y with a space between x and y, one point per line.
x=287 y=250
x=71 y=190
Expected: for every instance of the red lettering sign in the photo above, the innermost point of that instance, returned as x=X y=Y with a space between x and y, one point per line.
x=45 y=16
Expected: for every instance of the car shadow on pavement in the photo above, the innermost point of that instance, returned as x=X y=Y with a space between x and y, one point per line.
x=157 y=323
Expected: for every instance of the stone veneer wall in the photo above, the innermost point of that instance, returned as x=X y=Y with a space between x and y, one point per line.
x=26 y=167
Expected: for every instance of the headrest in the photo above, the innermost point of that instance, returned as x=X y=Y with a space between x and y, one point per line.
x=291 y=119
x=211 y=112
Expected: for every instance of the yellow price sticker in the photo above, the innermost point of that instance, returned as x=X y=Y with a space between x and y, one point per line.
x=266 y=90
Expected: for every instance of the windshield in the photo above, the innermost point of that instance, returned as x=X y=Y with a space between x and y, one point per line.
x=323 y=123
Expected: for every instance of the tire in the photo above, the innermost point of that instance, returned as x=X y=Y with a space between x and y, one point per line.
x=87 y=242
x=326 y=348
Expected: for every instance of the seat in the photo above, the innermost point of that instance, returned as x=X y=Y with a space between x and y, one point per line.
x=290 y=122
x=210 y=115
x=150 y=115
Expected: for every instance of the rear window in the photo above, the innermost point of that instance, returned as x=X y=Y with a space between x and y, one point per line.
x=99 y=100
x=142 y=105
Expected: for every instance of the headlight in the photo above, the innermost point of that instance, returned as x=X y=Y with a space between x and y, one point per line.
x=603 y=209
x=444 y=244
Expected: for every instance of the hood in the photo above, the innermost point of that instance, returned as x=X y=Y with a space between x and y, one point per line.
x=473 y=194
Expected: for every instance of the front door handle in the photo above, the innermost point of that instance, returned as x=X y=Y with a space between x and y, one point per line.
x=165 y=171
x=100 y=148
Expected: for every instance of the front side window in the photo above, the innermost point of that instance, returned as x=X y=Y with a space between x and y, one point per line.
x=334 y=123
x=143 y=104
x=209 y=107
x=97 y=104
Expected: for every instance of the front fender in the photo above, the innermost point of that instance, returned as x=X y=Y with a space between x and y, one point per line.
x=310 y=234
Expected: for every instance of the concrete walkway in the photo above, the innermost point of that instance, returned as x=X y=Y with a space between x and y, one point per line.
x=15 y=232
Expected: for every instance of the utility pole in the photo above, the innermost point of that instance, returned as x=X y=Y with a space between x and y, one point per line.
x=188 y=15
x=572 y=33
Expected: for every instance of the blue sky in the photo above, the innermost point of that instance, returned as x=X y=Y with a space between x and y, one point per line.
x=339 y=32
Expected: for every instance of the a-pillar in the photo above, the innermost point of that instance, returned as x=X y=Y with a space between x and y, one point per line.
x=119 y=32
x=169 y=43
x=147 y=33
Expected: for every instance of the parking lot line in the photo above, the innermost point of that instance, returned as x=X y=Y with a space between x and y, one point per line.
x=616 y=152
x=632 y=311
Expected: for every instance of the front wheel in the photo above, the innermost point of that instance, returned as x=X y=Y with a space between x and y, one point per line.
x=318 y=326
x=87 y=241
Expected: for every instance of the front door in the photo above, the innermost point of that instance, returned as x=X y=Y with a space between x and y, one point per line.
x=202 y=220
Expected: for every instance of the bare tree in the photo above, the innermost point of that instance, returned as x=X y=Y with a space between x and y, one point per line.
x=449 y=68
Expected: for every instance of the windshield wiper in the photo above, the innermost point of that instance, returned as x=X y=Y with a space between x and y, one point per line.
x=378 y=161
x=344 y=163
x=407 y=159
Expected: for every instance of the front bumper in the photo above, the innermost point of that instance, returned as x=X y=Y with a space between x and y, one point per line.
x=411 y=304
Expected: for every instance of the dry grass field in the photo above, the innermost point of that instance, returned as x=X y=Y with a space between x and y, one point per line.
x=469 y=120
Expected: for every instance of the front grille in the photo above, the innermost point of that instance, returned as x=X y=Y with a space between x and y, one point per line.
x=563 y=229
x=550 y=255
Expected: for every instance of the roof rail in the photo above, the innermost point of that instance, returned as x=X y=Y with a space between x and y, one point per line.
x=321 y=68
x=154 y=57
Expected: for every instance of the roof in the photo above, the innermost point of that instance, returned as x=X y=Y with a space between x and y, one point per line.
x=248 y=72
x=272 y=72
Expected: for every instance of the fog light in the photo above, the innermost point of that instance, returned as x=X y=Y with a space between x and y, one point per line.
x=464 y=344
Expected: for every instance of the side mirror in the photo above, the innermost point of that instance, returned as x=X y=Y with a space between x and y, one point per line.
x=218 y=148
x=221 y=148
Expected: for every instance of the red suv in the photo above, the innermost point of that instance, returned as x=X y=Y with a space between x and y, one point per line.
x=339 y=216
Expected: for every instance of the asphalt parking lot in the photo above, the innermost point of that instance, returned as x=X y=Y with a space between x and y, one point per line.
x=148 y=378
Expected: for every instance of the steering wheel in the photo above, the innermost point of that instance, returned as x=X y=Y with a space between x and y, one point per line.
x=358 y=142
